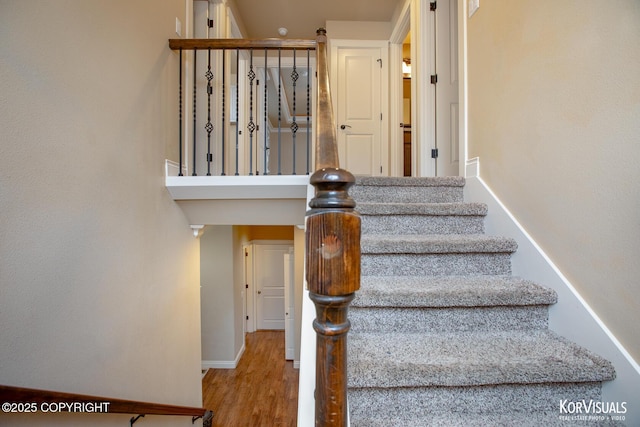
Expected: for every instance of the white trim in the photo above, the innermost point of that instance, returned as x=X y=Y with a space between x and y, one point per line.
x=396 y=140
x=422 y=91
x=172 y=168
x=400 y=30
x=472 y=169
x=463 y=79
x=572 y=316
x=224 y=364
x=237 y=187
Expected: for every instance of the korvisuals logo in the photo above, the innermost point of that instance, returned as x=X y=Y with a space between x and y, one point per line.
x=592 y=410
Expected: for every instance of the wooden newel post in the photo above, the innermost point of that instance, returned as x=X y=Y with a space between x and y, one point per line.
x=333 y=276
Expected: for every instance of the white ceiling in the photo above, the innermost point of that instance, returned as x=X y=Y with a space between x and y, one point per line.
x=302 y=18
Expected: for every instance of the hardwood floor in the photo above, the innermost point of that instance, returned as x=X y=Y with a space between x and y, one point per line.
x=261 y=392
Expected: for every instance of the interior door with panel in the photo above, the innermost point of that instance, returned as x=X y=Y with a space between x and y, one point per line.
x=357 y=78
x=270 y=286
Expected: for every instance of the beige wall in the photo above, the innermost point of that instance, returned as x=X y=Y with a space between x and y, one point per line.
x=99 y=277
x=554 y=115
x=217 y=280
x=359 y=30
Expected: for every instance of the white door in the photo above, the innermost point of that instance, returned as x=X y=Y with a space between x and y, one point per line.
x=248 y=311
x=270 y=286
x=289 y=300
x=358 y=81
x=446 y=90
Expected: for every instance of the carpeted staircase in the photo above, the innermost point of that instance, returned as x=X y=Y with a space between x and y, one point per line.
x=442 y=334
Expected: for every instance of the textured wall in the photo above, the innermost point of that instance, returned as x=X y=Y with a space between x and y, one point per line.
x=554 y=115
x=218 y=308
x=99 y=277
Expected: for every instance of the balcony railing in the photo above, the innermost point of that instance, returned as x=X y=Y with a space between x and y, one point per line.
x=245 y=106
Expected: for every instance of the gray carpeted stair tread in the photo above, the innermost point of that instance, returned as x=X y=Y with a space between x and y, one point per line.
x=450 y=291
x=436 y=244
x=506 y=399
x=434 y=209
x=379 y=181
x=522 y=419
x=474 y=358
x=448 y=319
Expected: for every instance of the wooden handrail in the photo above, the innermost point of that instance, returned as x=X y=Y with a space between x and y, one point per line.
x=72 y=402
x=332 y=257
x=204 y=44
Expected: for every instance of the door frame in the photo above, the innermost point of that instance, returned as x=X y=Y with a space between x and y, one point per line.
x=415 y=16
x=383 y=45
x=249 y=279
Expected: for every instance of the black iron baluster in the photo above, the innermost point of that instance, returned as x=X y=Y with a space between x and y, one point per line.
x=266 y=128
x=209 y=127
x=294 y=125
x=308 y=113
x=195 y=56
x=224 y=97
x=279 y=112
x=251 y=126
x=180 y=116
x=237 y=109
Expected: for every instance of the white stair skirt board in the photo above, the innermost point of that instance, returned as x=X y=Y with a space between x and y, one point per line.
x=223 y=364
x=571 y=316
x=307 y=374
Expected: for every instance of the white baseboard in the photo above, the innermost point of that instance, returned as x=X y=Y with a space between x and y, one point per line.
x=571 y=317
x=223 y=364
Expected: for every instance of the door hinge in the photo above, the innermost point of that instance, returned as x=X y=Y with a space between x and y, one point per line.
x=434 y=79
x=434 y=153
x=381 y=170
x=246 y=286
x=433 y=6
x=380 y=116
x=247 y=317
x=210 y=23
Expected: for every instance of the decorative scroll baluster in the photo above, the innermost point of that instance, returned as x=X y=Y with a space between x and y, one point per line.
x=251 y=127
x=195 y=57
x=332 y=257
x=209 y=127
x=180 y=116
x=294 y=125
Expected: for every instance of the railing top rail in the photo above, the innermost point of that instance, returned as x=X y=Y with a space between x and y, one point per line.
x=116 y=406
x=204 y=44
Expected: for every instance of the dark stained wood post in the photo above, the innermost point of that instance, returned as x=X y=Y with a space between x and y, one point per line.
x=332 y=258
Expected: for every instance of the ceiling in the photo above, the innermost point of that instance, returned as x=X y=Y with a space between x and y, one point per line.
x=302 y=18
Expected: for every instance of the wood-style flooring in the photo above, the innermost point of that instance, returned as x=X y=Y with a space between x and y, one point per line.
x=261 y=392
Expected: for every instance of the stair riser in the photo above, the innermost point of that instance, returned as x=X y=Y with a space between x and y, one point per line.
x=450 y=319
x=435 y=264
x=421 y=224
x=401 y=194
x=501 y=399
